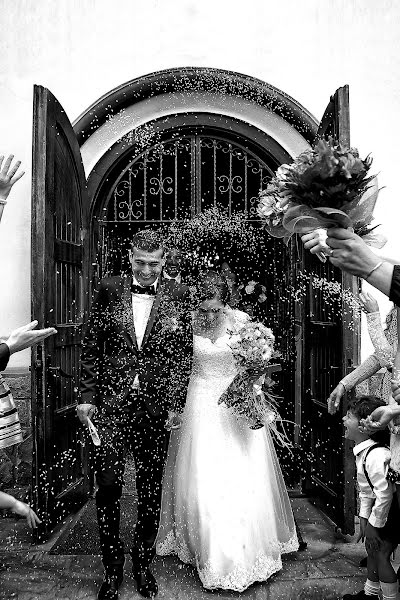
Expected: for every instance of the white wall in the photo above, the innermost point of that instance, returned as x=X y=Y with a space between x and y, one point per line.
x=80 y=49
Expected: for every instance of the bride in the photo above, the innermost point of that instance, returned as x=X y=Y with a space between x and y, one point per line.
x=225 y=508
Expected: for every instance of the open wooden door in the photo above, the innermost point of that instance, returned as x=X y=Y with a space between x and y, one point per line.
x=59 y=296
x=330 y=350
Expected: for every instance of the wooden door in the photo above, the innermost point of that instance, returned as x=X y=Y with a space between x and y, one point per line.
x=330 y=350
x=59 y=274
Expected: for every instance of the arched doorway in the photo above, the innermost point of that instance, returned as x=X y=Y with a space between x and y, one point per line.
x=195 y=164
x=169 y=145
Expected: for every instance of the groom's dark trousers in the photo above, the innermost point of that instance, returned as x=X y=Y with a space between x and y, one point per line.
x=128 y=418
x=145 y=437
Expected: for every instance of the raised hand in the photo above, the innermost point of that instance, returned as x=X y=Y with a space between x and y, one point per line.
x=8 y=176
x=368 y=302
x=335 y=398
x=379 y=419
x=27 y=336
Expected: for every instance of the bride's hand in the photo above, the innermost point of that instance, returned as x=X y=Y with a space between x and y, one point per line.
x=174 y=420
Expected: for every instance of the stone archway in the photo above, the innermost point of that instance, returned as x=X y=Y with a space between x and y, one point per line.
x=249 y=119
x=131 y=117
x=129 y=122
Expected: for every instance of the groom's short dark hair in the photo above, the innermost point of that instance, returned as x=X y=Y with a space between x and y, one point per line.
x=148 y=240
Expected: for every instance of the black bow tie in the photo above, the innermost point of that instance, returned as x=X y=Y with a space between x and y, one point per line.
x=139 y=289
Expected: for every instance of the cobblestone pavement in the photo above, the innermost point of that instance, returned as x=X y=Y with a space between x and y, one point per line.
x=325 y=571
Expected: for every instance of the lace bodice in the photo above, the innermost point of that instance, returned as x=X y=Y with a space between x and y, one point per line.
x=215 y=359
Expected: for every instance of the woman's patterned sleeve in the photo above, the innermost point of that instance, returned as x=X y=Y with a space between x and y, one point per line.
x=367 y=368
x=383 y=350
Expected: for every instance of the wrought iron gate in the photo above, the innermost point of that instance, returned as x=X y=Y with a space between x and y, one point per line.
x=174 y=180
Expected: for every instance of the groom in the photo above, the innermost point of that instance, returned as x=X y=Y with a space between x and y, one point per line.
x=136 y=362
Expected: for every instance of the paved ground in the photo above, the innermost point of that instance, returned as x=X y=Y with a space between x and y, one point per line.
x=326 y=570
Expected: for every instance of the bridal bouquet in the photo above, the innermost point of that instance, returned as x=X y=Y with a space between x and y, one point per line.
x=253 y=348
x=327 y=186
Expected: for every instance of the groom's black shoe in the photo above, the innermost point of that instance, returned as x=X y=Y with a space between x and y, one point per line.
x=146 y=583
x=111 y=582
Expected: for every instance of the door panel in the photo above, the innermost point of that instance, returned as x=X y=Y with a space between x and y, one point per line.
x=59 y=274
x=331 y=349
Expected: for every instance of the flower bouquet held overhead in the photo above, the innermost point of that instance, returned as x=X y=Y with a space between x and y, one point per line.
x=326 y=186
x=249 y=394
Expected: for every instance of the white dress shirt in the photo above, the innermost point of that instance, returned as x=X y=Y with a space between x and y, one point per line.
x=374 y=504
x=141 y=308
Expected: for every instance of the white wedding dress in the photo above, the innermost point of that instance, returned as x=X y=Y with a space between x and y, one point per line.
x=225 y=508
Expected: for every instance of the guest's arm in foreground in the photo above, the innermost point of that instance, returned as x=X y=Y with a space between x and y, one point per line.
x=20 y=508
x=314 y=241
x=8 y=176
x=351 y=254
x=22 y=338
x=384 y=351
x=382 y=357
x=382 y=416
x=369 y=367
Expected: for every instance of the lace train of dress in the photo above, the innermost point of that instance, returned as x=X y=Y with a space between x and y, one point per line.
x=225 y=507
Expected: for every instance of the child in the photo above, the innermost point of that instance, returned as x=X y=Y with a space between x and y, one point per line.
x=378 y=515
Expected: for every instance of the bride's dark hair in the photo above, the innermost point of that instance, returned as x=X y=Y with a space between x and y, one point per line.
x=213 y=285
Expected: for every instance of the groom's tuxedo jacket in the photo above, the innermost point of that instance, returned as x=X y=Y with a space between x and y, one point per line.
x=111 y=358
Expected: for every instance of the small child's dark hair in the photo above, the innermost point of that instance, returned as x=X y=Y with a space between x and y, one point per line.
x=362 y=407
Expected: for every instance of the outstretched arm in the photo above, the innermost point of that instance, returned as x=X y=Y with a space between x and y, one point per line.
x=22 y=338
x=20 y=508
x=382 y=416
x=351 y=254
x=369 y=367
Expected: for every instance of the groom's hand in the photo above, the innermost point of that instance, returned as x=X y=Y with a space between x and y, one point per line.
x=174 y=420
x=85 y=411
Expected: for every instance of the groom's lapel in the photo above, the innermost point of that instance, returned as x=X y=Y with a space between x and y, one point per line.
x=153 y=314
x=127 y=301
